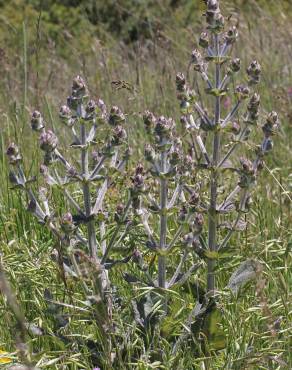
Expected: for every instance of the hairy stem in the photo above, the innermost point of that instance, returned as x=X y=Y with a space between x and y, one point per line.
x=213 y=217
x=163 y=222
x=86 y=194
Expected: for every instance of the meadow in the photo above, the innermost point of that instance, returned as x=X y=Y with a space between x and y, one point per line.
x=129 y=54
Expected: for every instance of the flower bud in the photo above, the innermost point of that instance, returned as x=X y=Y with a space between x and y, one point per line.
x=184 y=122
x=116 y=116
x=119 y=214
x=242 y=92
x=254 y=102
x=254 y=71
x=175 y=156
x=102 y=110
x=138 y=181
x=231 y=35
x=198 y=61
x=149 y=153
x=197 y=224
x=194 y=199
x=247 y=173
x=139 y=169
x=48 y=141
x=204 y=40
x=180 y=81
x=149 y=120
x=66 y=223
x=44 y=170
x=119 y=135
x=137 y=258
x=13 y=154
x=235 y=128
x=247 y=166
x=272 y=124
x=268 y=145
x=235 y=65
x=212 y=5
x=48 y=158
x=182 y=214
x=66 y=115
x=164 y=126
x=72 y=172
x=37 y=121
x=90 y=110
x=79 y=89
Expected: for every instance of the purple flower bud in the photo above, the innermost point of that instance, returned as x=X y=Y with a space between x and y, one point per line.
x=44 y=170
x=149 y=120
x=198 y=61
x=13 y=154
x=139 y=169
x=194 y=199
x=66 y=115
x=182 y=215
x=272 y=124
x=247 y=173
x=66 y=223
x=254 y=71
x=149 y=153
x=37 y=121
x=242 y=92
x=72 y=172
x=138 y=182
x=13 y=178
x=102 y=110
x=204 y=40
x=137 y=257
x=175 y=156
x=180 y=81
x=90 y=109
x=48 y=158
x=164 y=126
x=247 y=166
x=197 y=224
x=116 y=116
x=235 y=65
x=79 y=89
x=212 y=5
x=231 y=35
x=119 y=135
x=235 y=128
x=48 y=141
x=31 y=207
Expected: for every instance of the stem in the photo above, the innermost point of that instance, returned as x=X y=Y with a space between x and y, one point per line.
x=231 y=150
x=163 y=222
x=213 y=217
x=86 y=194
x=230 y=233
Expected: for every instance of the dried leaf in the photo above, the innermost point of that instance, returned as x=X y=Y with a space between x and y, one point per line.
x=244 y=273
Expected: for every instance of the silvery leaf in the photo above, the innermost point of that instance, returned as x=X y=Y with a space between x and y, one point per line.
x=244 y=273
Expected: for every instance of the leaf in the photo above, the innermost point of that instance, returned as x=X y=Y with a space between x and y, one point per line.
x=34 y=329
x=241 y=225
x=226 y=208
x=91 y=134
x=3 y=357
x=245 y=272
x=213 y=329
x=212 y=255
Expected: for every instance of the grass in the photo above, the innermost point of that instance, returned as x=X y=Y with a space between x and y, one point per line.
x=148 y=70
